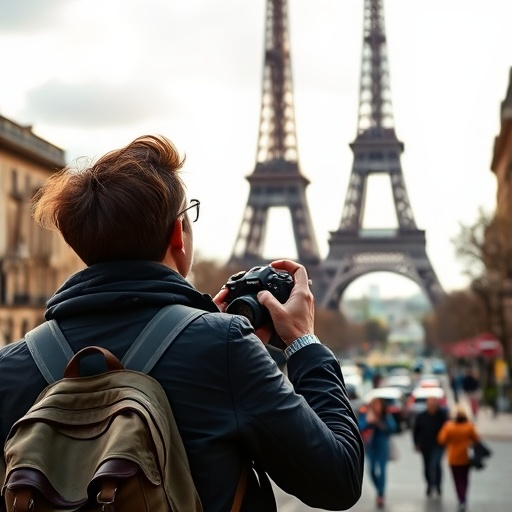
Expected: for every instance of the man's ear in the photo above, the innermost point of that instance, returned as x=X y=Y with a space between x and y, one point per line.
x=176 y=242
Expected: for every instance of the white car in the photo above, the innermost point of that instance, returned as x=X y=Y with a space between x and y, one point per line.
x=417 y=402
x=352 y=375
x=394 y=399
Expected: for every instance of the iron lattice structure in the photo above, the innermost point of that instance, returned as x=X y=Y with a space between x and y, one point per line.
x=276 y=180
x=353 y=250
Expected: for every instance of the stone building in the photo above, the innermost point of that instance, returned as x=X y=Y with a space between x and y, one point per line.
x=501 y=163
x=499 y=234
x=33 y=261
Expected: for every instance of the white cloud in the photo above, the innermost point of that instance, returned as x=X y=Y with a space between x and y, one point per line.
x=93 y=105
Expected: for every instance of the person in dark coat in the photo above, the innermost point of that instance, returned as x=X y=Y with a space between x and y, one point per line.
x=426 y=429
x=128 y=218
x=472 y=389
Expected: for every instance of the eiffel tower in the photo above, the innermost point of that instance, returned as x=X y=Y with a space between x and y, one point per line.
x=276 y=180
x=353 y=250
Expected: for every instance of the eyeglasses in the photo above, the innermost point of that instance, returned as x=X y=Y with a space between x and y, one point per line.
x=194 y=215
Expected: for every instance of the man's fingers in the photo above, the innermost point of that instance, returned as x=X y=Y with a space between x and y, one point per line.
x=299 y=273
x=266 y=299
x=220 y=299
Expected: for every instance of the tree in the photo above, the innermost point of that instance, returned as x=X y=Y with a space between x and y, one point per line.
x=486 y=248
x=376 y=331
x=461 y=315
x=470 y=245
x=209 y=275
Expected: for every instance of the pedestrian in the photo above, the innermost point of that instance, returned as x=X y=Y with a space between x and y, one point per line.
x=128 y=218
x=472 y=389
x=377 y=378
x=458 y=435
x=456 y=378
x=377 y=425
x=426 y=428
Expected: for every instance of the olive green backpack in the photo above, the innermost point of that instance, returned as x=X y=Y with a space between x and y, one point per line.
x=107 y=442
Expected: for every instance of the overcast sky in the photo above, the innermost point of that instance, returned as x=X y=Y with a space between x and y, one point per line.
x=91 y=75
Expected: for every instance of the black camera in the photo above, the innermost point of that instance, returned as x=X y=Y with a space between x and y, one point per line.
x=244 y=287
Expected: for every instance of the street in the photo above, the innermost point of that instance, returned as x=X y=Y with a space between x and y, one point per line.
x=490 y=489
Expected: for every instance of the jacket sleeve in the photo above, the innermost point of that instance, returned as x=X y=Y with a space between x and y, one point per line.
x=474 y=435
x=390 y=425
x=416 y=433
x=301 y=430
x=442 y=437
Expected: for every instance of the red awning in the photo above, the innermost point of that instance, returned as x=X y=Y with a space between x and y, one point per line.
x=483 y=345
x=489 y=346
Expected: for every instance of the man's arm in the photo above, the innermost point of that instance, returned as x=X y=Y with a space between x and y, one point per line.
x=301 y=431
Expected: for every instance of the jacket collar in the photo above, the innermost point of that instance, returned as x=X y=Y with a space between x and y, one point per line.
x=120 y=284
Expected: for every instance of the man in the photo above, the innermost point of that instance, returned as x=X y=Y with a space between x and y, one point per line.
x=426 y=427
x=472 y=390
x=127 y=217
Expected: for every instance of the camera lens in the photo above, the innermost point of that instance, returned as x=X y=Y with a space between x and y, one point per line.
x=249 y=307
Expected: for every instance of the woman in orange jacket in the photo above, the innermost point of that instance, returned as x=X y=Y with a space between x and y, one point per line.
x=458 y=435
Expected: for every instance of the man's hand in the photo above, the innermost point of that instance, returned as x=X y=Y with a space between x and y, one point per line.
x=220 y=299
x=296 y=316
x=370 y=417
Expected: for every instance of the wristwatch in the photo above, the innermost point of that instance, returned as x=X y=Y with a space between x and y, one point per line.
x=303 y=341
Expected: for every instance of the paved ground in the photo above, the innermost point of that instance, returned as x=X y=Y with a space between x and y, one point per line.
x=490 y=490
x=495 y=427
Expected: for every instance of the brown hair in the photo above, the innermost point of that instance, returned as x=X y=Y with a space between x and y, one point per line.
x=383 y=406
x=123 y=207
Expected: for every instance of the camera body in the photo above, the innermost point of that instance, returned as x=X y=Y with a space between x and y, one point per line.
x=244 y=287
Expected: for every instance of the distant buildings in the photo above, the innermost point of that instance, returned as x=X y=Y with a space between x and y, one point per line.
x=33 y=261
x=402 y=316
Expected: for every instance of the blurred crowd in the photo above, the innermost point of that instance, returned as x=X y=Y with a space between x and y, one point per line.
x=437 y=405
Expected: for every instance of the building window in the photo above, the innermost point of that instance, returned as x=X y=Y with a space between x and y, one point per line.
x=14 y=182
x=3 y=287
x=24 y=327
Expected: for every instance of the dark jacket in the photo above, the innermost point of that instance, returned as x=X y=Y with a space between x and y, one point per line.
x=426 y=428
x=231 y=402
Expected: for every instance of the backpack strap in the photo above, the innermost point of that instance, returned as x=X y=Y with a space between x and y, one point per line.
x=51 y=351
x=158 y=335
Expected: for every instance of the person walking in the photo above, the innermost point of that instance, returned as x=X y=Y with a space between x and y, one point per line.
x=127 y=216
x=472 y=389
x=426 y=429
x=456 y=378
x=458 y=435
x=377 y=425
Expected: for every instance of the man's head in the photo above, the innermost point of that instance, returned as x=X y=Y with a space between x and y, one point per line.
x=432 y=404
x=125 y=206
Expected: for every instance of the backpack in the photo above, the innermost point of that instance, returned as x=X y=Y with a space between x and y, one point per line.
x=106 y=442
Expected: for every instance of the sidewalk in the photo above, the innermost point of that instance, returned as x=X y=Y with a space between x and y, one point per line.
x=496 y=428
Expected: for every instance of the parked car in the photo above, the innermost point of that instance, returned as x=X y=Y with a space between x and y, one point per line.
x=395 y=401
x=352 y=375
x=438 y=367
x=417 y=402
x=429 y=380
x=354 y=397
x=403 y=382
